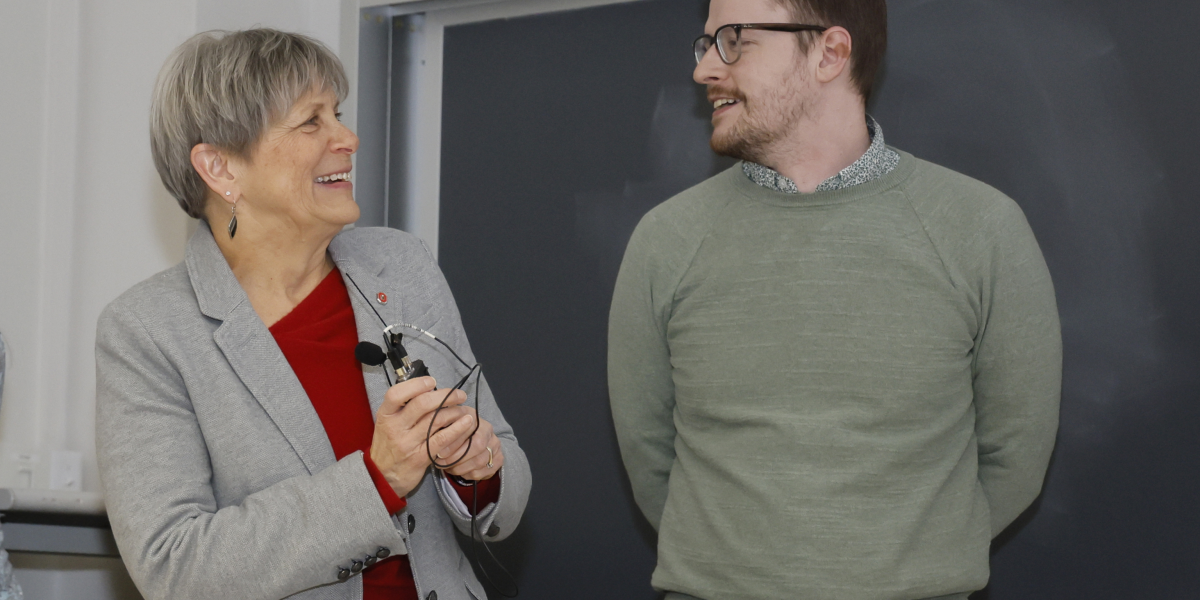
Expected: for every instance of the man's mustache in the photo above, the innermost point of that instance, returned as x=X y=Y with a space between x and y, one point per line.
x=716 y=92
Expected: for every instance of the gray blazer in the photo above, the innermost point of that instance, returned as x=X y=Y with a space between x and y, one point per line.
x=218 y=475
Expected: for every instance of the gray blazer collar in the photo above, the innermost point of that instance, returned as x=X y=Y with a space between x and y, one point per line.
x=362 y=272
x=219 y=292
x=251 y=351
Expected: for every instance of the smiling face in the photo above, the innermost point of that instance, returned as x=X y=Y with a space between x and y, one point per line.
x=761 y=99
x=298 y=173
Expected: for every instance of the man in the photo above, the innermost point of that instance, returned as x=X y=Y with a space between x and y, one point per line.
x=834 y=368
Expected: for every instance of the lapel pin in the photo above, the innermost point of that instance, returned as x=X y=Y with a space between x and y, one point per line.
x=381 y=297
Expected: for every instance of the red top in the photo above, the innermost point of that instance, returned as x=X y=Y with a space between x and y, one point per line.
x=318 y=339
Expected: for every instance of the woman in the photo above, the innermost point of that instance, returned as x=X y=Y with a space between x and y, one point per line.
x=244 y=451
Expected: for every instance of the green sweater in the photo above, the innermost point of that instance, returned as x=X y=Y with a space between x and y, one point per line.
x=835 y=395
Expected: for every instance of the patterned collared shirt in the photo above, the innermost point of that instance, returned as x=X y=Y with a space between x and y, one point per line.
x=877 y=161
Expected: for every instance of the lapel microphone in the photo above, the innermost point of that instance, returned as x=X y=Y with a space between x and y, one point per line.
x=372 y=355
x=369 y=354
x=393 y=350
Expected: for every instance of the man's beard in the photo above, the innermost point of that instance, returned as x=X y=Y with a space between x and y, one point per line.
x=763 y=123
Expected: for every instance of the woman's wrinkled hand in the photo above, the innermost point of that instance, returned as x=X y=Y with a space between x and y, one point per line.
x=484 y=457
x=398 y=447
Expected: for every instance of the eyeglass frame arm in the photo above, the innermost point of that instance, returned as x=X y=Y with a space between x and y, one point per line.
x=738 y=27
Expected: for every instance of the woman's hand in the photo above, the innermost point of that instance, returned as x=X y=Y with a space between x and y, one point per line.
x=398 y=446
x=484 y=458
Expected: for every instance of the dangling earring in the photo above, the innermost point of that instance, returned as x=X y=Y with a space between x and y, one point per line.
x=233 y=218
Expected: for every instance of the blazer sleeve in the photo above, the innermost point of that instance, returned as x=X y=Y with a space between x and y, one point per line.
x=154 y=462
x=495 y=521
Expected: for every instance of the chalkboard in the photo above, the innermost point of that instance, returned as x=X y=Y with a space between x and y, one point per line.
x=1081 y=111
x=560 y=130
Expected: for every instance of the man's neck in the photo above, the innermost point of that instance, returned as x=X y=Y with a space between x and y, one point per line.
x=829 y=140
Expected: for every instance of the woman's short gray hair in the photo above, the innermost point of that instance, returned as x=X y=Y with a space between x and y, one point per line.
x=225 y=88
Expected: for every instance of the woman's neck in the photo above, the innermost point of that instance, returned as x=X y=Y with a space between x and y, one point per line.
x=278 y=268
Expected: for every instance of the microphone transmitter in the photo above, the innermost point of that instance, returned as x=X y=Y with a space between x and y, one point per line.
x=405 y=369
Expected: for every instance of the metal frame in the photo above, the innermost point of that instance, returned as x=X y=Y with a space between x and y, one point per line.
x=413 y=181
x=56 y=538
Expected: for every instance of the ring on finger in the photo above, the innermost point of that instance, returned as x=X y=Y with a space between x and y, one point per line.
x=490 y=457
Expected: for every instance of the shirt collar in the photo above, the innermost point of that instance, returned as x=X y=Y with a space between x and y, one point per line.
x=877 y=161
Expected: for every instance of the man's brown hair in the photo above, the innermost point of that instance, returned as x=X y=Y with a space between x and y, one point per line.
x=866 y=20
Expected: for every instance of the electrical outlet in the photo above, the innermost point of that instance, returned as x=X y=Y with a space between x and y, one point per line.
x=27 y=463
x=66 y=471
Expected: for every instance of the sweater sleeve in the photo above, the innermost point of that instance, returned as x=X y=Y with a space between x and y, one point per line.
x=1017 y=369
x=641 y=389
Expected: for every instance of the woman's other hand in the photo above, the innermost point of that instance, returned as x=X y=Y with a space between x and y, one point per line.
x=483 y=459
x=398 y=446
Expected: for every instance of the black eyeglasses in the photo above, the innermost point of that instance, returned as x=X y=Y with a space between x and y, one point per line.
x=728 y=38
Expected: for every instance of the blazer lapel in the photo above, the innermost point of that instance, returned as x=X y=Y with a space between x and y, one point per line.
x=253 y=354
x=376 y=301
x=370 y=327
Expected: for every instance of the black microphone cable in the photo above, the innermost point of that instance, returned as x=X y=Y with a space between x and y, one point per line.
x=370 y=354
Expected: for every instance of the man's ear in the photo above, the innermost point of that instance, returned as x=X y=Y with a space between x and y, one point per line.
x=213 y=167
x=834 y=47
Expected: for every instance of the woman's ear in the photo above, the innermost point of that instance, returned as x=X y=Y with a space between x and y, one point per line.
x=213 y=167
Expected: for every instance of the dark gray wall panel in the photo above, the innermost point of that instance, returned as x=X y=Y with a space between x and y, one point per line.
x=561 y=130
x=1081 y=112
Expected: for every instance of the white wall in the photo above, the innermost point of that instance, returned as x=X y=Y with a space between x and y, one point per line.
x=21 y=146
x=83 y=215
x=318 y=18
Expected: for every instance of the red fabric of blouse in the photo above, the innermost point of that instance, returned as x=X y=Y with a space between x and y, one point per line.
x=318 y=339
